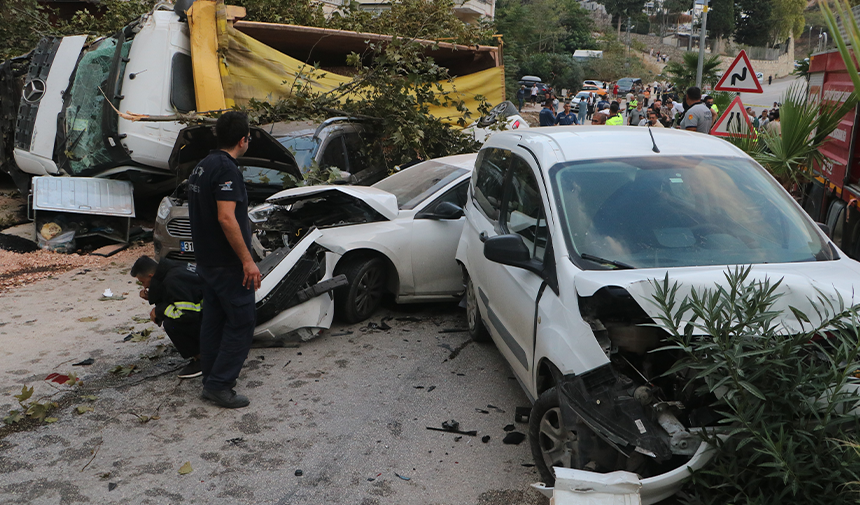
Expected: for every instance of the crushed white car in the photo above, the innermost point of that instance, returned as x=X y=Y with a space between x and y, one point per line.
x=565 y=229
x=398 y=236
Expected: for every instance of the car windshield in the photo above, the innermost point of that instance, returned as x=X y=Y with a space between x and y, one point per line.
x=625 y=82
x=267 y=177
x=681 y=211
x=417 y=183
x=85 y=139
x=583 y=96
x=303 y=148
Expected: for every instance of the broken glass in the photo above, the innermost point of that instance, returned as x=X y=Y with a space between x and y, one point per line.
x=85 y=138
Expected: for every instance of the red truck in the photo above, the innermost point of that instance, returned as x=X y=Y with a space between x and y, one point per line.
x=834 y=193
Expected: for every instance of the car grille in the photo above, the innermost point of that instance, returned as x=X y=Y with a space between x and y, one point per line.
x=181 y=256
x=179 y=227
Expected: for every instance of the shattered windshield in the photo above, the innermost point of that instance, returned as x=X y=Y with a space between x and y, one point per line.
x=303 y=148
x=85 y=138
x=417 y=183
x=681 y=211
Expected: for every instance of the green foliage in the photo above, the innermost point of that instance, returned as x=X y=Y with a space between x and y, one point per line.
x=30 y=24
x=559 y=70
x=682 y=73
x=293 y=12
x=721 y=18
x=111 y=17
x=785 y=399
x=752 y=22
x=805 y=126
x=621 y=9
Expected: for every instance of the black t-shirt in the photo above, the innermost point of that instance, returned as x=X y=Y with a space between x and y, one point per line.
x=216 y=177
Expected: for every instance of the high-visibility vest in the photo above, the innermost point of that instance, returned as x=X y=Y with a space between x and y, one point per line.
x=715 y=110
x=634 y=103
x=175 y=310
x=614 y=120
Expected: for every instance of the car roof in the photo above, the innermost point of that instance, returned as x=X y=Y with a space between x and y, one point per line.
x=604 y=142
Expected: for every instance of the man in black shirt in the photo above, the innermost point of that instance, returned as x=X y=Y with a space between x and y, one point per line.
x=176 y=291
x=218 y=207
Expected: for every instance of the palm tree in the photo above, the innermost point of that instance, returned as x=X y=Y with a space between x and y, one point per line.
x=683 y=73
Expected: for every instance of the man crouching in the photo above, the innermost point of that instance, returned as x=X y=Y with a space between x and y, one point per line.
x=176 y=291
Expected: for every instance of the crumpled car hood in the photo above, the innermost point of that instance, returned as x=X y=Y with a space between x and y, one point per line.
x=802 y=285
x=381 y=201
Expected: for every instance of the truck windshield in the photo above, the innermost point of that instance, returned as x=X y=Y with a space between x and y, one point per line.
x=681 y=211
x=85 y=139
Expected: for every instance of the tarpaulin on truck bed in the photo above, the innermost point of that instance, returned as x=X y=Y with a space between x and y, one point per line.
x=250 y=69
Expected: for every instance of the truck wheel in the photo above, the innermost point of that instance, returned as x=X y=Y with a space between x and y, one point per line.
x=359 y=299
x=552 y=444
x=477 y=331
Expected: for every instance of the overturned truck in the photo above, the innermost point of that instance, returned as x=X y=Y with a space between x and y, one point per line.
x=108 y=108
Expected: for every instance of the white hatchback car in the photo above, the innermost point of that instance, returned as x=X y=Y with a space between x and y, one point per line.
x=565 y=227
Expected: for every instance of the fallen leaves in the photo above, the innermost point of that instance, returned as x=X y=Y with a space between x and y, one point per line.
x=123 y=371
x=88 y=319
x=186 y=468
x=83 y=409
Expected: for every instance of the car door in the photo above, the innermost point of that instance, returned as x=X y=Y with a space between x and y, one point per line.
x=509 y=293
x=434 y=244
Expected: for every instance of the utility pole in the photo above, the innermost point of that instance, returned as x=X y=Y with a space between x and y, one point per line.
x=702 y=45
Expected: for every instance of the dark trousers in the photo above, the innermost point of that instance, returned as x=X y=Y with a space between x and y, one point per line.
x=184 y=333
x=228 y=323
x=520 y=100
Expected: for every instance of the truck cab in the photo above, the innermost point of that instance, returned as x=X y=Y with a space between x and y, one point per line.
x=67 y=122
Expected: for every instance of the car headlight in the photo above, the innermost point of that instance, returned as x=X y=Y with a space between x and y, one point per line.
x=164 y=208
x=260 y=213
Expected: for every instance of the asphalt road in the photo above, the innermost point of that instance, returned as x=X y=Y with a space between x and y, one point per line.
x=772 y=93
x=349 y=409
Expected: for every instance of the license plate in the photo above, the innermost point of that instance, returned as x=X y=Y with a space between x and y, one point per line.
x=186 y=246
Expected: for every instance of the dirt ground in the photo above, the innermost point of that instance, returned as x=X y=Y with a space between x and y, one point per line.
x=349 y=408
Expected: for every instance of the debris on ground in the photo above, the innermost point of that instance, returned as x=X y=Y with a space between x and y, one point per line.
x=86 y=362
x=402 y=476
x=514 y=438
x=299 y=473
x=485 y=439
x=17 y=244
x=522 y=414
x=186 y=468
x=509 y=427
x=453 y=426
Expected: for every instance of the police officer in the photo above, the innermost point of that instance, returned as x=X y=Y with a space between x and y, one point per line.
x=176 y=291
x=698 y=116
x=614 y=118
x=218 y=207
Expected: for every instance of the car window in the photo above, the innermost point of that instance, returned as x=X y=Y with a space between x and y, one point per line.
x=523 y=213
x=356 y=152
x=419 y=182
x=334 y=155
x=652 y=212
x=259 y=176
x=182 y=83
x=489 y=177
x=456 y=195
x=303 y=149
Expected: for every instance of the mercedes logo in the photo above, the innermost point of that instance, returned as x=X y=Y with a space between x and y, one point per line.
x=34 y=90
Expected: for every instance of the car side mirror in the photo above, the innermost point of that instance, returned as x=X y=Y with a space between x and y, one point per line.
x=445 y=210
x=512 y=251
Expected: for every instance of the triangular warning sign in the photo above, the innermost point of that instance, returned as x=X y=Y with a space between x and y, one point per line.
x=735 y=122
x=740 y=77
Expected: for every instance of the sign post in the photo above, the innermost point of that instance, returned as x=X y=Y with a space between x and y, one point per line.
x=735 y=122
x=740 y=77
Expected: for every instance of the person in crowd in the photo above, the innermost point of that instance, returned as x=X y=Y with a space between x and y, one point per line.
x=566 y=117
x=615 y=89
x=774 y=127
x=634 y=116
x=653 y=119
x=614 y=118
x=592 y=101
x=521 y=97
x=646 y=95
x=175 y=290
x=603 y=103
x=582 y=111
x=698 y=117
x=764 y=119
x=547 y=114
x=769 y=79
x=599 y=118
x=534 y=93
x=753 y=117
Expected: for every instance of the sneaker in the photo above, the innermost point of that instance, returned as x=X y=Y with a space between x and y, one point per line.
x=227 y=398
x=191 y=370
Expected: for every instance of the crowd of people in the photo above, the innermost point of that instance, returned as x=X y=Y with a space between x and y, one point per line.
x=655 y=105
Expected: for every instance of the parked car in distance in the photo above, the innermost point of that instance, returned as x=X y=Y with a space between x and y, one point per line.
x=565 y=230
x=580 y=97
x=625 y=84
x=487 y=125
x=529 y=80
x=598 y=84
x=398 y=236
x=595 y=90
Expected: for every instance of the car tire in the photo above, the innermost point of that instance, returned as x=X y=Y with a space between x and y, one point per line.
x=359 y=299
x=477 y=331
x=552 y=444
